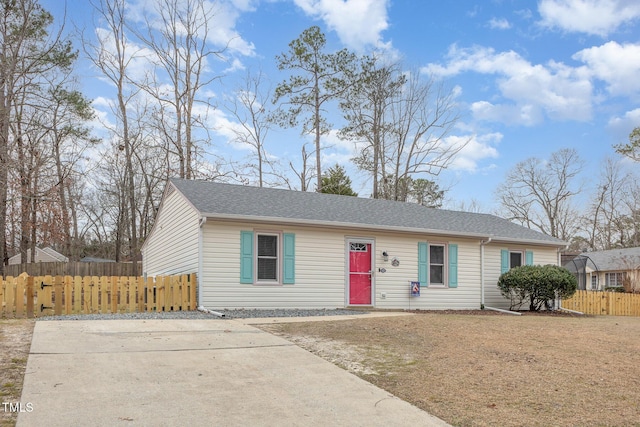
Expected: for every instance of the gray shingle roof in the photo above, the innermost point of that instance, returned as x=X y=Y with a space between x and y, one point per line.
x=615 y=259
x=272 y=204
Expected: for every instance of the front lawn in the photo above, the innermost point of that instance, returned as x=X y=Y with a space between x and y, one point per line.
x=487 y=370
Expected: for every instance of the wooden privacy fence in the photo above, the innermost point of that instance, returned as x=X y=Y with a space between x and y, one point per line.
x=75 y=268
x=605 y=303
x=29 y=296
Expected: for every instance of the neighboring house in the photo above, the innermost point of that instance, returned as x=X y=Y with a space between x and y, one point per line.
x=607 y=269
x=47 y=254
x=271 y=248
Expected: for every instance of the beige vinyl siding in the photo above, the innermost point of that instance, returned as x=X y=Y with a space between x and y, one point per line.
x=395 y=281
x=321 y=276
x=319 y=259
x=492 y=271
x=321 y=279
x=172 y=247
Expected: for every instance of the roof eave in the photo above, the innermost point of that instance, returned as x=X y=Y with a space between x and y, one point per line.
x=559 y=243
x=351 y=225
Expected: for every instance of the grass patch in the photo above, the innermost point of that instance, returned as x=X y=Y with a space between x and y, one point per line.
x=473 y=370
x=15 y=342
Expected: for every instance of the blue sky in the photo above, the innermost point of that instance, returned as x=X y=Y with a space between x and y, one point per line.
x=531 y=76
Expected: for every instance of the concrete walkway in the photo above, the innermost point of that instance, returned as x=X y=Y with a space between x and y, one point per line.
x=193 y=373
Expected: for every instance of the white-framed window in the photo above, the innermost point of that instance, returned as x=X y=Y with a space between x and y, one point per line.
x=515 y=259
x=594 y=282
x=613 y=279
x=267 y=257
x=437 y=263
x=358 y=247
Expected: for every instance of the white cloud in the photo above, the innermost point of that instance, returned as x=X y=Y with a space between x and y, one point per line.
x=139 y=59
x=523 y=114
x=559 y=91
x=618 y=65
x=595 y=17
x=358 y=23
x=478 y=148
x=499 y=24
x=221 y=17
x=218 y=121
x=622 y=126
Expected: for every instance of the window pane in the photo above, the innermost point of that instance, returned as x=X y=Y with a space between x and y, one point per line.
x=436 y=274
x=436 y=255
x=515 y=259
x=267 y=245
x=267 y=269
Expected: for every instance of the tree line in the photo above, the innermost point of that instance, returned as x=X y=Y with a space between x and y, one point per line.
x=96 y=193
x=63 y=184
x=549 y=195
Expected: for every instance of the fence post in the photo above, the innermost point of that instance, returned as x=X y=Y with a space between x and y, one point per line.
x=114 y=294
x=150 y=293
x=78 y=291
x=133 y=292
x=57 y=289
x=68 y=294
x=141 y=294
x=9 y=297
x=20 y=296
x=30 y=296
x=2 y=287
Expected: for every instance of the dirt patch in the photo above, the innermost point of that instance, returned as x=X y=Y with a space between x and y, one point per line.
x=15 y=342
x=485 y=370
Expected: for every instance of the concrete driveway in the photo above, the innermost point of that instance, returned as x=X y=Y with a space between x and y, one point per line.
x=193 y=373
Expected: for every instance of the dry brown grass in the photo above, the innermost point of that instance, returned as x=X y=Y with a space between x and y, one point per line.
x=479 y=370
x=15 y=341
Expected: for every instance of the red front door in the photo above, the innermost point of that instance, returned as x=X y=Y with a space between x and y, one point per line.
x=359 y=273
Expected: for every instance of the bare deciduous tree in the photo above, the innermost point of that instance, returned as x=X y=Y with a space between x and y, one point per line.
x=606 y=219
x=178 y=35
x=249 y=108
x=539 y=193
x=112 y=54
x=404 y=120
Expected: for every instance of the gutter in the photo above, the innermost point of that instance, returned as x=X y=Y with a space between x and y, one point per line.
x=339 y=224
x=392 y=228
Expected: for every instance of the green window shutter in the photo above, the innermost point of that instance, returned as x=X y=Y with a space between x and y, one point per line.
x=423 y=263
x=504 y=261
x=528 y=255
x=453 y=266
x=289 y=261
x=246 y=257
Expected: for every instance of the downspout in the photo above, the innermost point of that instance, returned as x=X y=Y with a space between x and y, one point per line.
x=482 y=244
x=203 y=221
x=482 y=306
